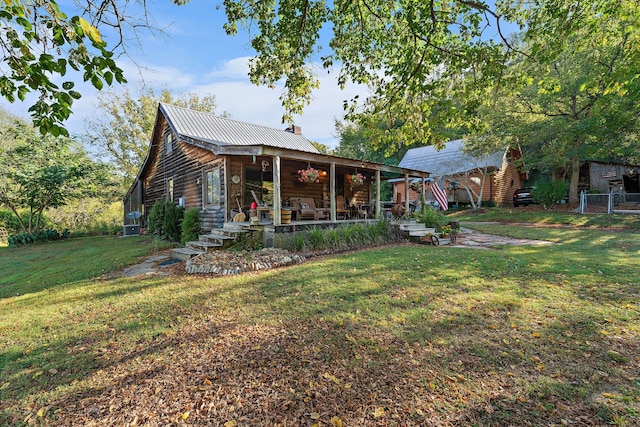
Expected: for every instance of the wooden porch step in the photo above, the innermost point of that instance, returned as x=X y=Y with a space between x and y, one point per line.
x=184 y=253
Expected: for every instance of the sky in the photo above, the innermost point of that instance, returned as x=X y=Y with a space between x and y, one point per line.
x=196 y=56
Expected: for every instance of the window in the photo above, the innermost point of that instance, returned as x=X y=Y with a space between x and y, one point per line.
x=169 y=143
x=170 y=189
x=212 y=187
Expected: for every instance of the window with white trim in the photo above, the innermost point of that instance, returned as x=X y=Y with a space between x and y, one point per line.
x=212 y=188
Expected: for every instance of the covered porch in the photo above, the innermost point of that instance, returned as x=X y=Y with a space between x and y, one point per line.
x=265 y=184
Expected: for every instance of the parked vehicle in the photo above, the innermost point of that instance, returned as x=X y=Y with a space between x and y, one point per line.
x=522 y=197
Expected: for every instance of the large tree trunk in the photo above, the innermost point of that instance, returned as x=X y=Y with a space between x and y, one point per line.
x=573 y=183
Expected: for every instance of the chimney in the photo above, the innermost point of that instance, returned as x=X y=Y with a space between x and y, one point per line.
x=296 y=130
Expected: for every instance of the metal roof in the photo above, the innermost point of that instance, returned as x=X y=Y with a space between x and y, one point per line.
x=448 y=161
x=222 y=131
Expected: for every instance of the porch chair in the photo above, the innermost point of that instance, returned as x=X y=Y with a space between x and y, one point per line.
x=358 y=210
x=341 y=208
x=305 y=208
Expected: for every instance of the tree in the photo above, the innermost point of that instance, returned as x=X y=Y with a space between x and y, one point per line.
x=354 y=144
x=582 y=104
x=123 y=131
x=37 y=172
x=40 y=43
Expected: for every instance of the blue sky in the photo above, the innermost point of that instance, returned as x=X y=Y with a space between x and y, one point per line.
x=197 y=56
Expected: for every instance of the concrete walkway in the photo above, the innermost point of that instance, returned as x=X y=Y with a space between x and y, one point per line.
x=151 y=265
x=468 y=237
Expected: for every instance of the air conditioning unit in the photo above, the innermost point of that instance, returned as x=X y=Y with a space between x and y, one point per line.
x=131 y=230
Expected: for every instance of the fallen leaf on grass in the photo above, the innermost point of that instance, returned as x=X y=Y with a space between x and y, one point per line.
x=378 y=413
x=331 y=377
x=5 y=385
x=185 y=415
x=336 y=422
x=231 y=423
x=315 y=416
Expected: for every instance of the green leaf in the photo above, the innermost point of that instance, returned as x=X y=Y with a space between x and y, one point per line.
x=97 y=82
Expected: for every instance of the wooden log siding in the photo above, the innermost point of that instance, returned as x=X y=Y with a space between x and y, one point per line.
x=186 y=165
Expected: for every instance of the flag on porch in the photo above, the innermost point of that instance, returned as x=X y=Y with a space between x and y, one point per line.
x=440 y=195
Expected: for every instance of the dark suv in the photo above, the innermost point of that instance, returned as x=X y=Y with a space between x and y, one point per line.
x=522 y=197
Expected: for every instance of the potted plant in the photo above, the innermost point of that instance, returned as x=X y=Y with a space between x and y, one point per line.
x=308 y=176
x=445 y=231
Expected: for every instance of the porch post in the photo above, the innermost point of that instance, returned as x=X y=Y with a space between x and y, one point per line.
x=378 y=204
x=276 y=190
x=406 y=195
x=332 y=190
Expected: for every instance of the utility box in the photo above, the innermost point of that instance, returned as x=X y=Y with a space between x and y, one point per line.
x=131 y=230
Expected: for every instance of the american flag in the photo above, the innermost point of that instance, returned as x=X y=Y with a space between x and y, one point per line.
x=440 y=196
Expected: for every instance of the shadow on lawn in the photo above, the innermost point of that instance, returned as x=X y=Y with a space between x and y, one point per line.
x=303 y=371
x=296 y=346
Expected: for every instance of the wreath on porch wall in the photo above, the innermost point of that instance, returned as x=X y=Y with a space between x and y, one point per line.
x=308 y=176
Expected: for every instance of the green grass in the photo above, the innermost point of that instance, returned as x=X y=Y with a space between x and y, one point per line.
x=550 y=217
x=513 y=336
x=33 y=268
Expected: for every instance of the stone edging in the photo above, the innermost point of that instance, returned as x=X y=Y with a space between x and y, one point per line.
x=231 y=263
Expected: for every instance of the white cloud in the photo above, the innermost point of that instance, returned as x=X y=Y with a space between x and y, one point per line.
x=234 y=94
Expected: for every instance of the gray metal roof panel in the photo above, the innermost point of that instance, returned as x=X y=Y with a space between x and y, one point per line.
x=222 y=131
x=448 y=161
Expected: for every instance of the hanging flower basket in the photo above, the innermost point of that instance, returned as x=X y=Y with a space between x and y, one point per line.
x=357 y=180
x=308 y=176
x=416 y=185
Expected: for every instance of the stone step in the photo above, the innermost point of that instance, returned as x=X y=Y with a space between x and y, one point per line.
x=215 y=237
x=422 y=232
x=184 y=253
x=203 y=246
x=411 y=226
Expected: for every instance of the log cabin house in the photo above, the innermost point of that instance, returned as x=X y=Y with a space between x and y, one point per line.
x=452 y=164
x=221 y=166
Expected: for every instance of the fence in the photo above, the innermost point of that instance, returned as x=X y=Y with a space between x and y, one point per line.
x=608 y=203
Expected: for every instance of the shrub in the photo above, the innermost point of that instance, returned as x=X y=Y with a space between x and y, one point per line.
x=88 y=216
x=432 y=218
x=173 y=215
x=191 y=225
x=38 y=236
x=315 y=237
x=548 y=193
x=164 y=220
x=155 y=220
x=350 y=236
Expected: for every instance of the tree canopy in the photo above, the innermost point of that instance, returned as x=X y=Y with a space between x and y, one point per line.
x=38 y=172
x=429 y=64
x=122 y=132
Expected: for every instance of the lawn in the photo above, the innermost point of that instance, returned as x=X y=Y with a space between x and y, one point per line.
x=395 y=336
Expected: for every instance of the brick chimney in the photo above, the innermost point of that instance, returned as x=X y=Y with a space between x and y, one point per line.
x=296 y=130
